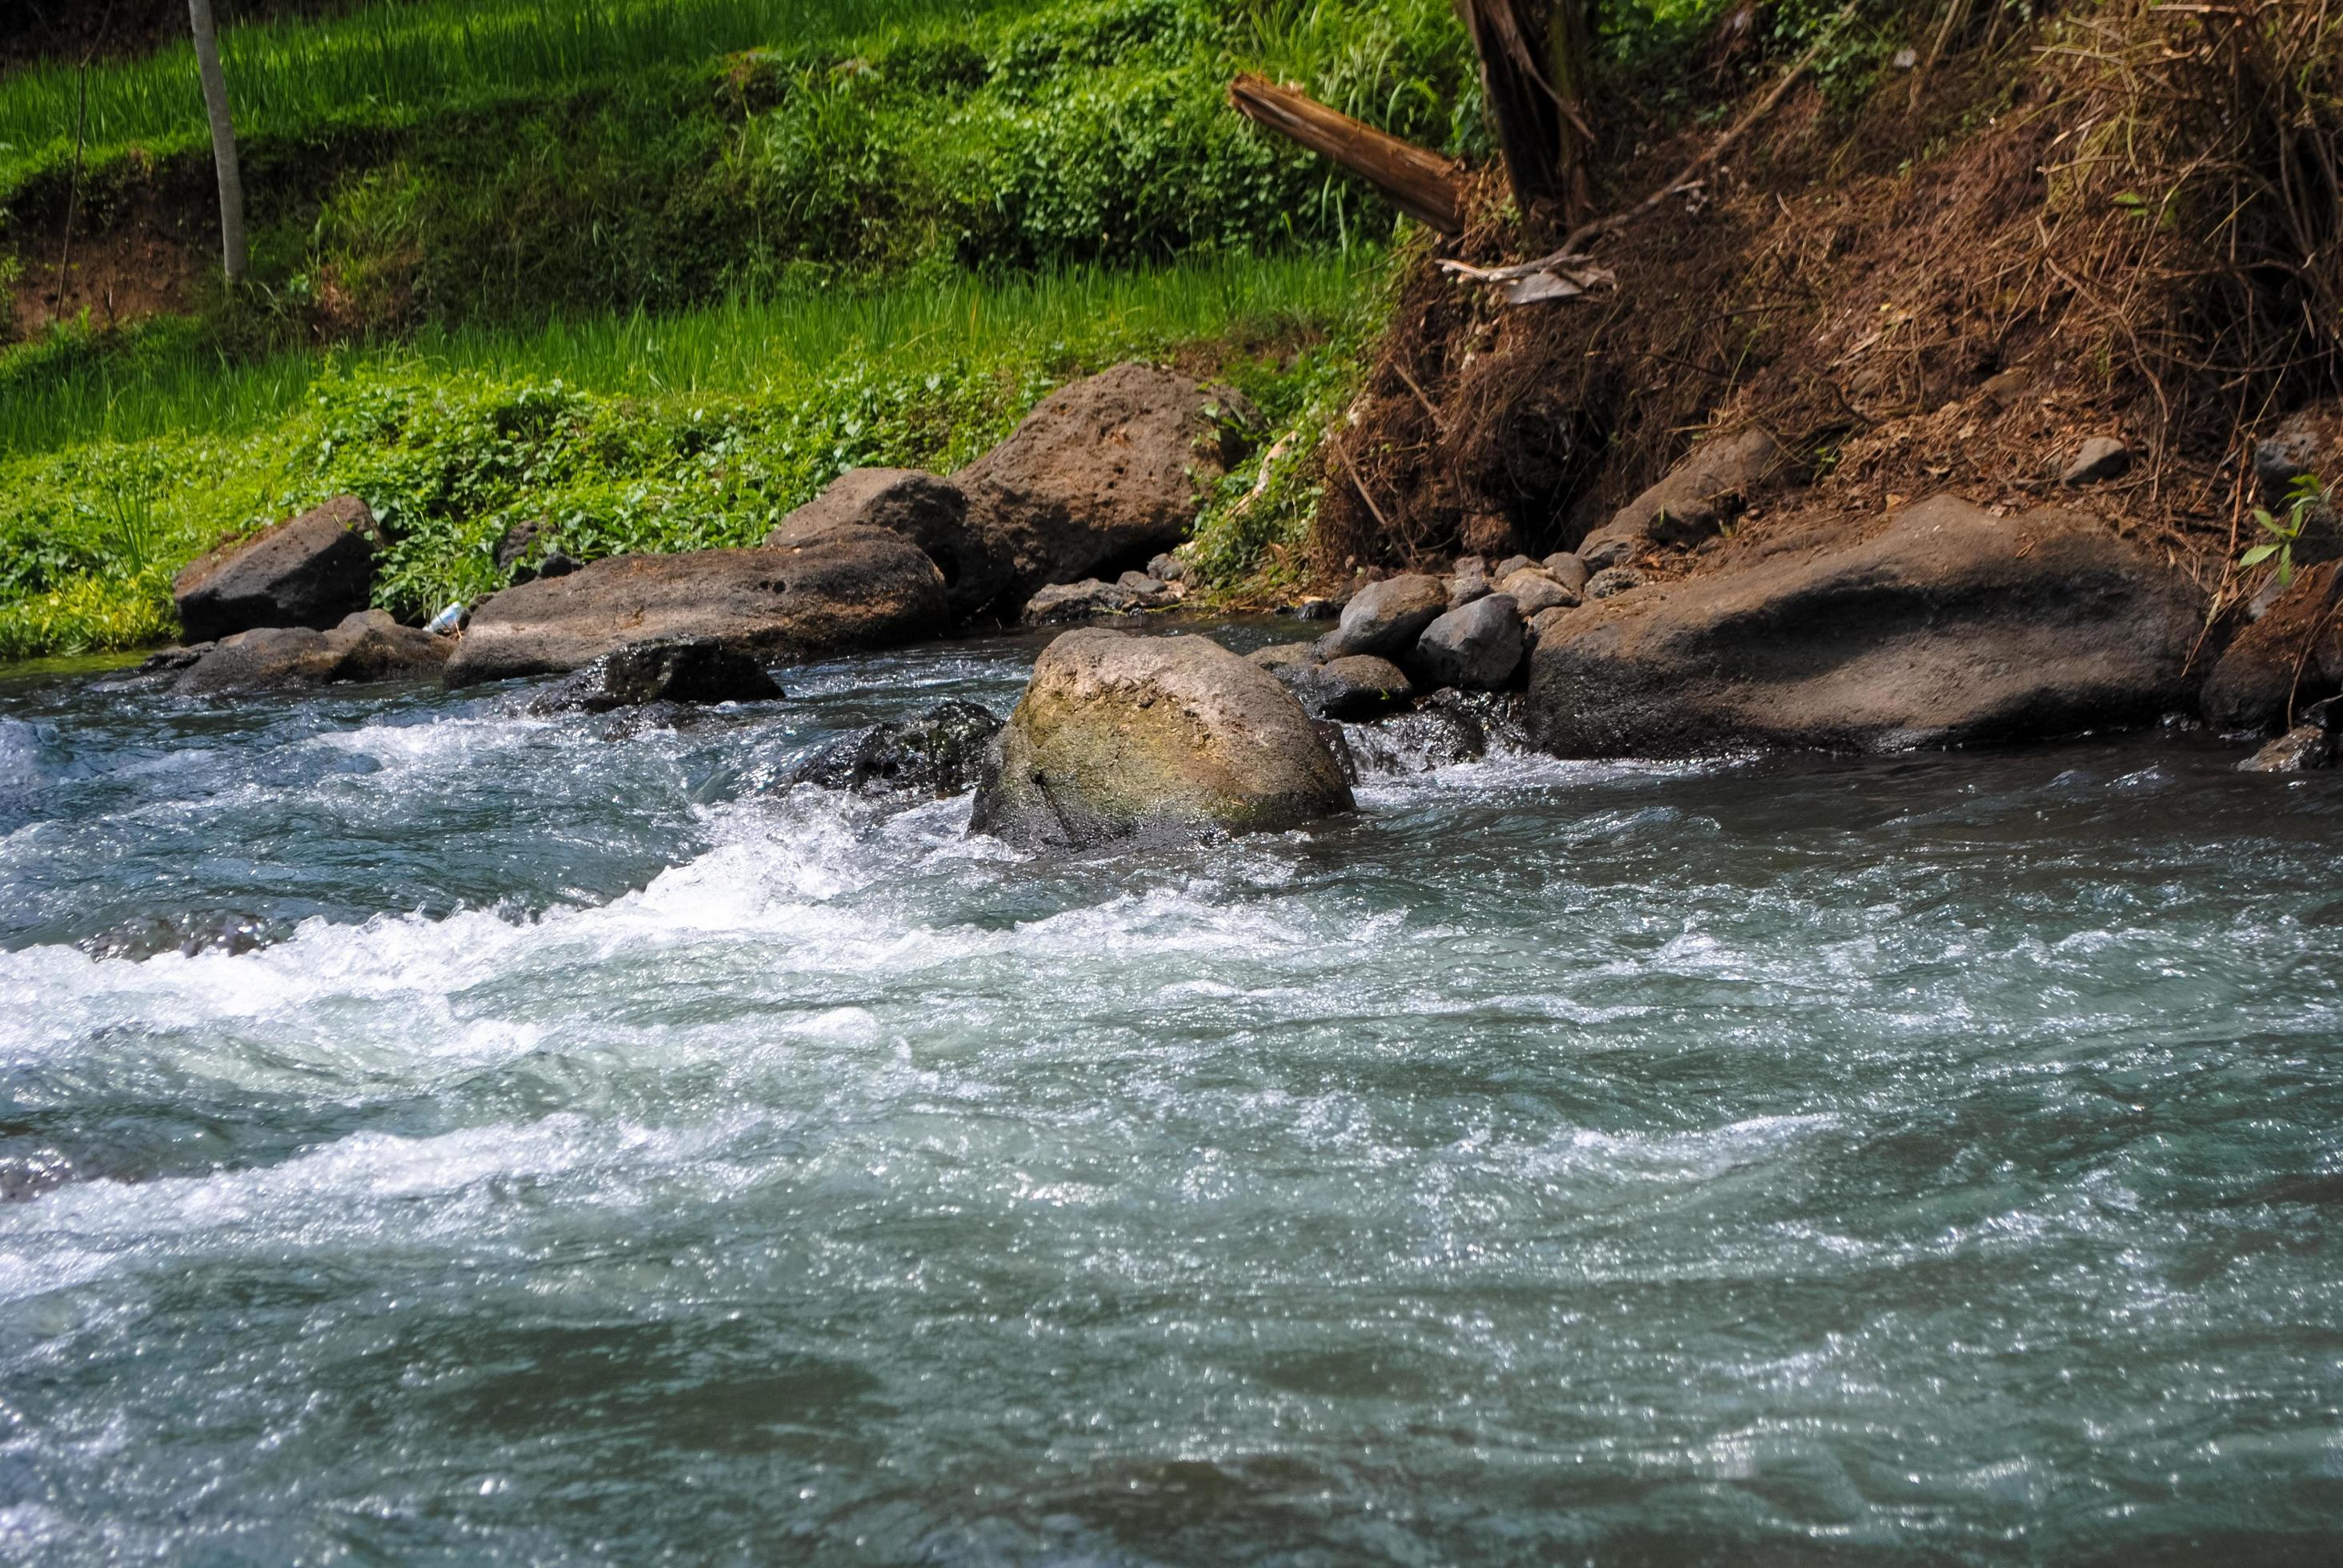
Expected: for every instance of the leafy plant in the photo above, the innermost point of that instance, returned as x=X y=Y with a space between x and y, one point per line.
x=2303 y=497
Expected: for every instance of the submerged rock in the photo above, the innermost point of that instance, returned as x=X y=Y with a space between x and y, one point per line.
x=1151 y=738
x=1446 y=729
x=851 y=588
x=1106 y=470
x=364 y=647
x=1386 y=617
x=677 y=670
x=306 y=571
x=939 y=753
x=1951 y=627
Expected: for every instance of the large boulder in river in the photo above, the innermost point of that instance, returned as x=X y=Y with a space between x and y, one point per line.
x=306 y=571
x=931 y=512
x=1473 y=648
x=850 y=589
x=1154 y=739
x=365 y=647
x=1952 y=625
x=2290 y=659
x=939 y=753
x=1106 y=471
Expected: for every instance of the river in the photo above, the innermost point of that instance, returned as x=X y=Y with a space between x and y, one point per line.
x=435 y=1135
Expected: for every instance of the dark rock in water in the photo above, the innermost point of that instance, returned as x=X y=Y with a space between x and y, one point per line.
x=1337 y=737
x=1386 y=617
x=851 y=588
x=1441 y=733
x=159 y=668
x=2300 y=749
x=2293 y=655
x=2102 y=457
x=1168 y=739
x=25 y=1175
x=1612 y=580
x=306 y=571
x=1952 y=626
x=1105 y=469
x=939 y=753
x=187 y=934
x=1062 y=603
x=1476 y=647
x=365 y=647
x=1357 y=686
x=929 y=511
x=1314 y=609
x=697 y=669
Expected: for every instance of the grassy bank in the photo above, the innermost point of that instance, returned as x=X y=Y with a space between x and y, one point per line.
x=623 y=434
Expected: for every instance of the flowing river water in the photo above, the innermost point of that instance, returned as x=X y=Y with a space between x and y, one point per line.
x=434 y=1135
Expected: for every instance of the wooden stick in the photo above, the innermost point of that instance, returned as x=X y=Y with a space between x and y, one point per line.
x=1421 y=183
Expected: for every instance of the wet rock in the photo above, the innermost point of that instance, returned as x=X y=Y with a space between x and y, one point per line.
x=2290 y=657
x=675 y=669
x=1357 y=686
x=1475 y=646
x=306 y=571
x=1469 y=581
x=368 y=645
x=1440 y=732
x=26 y=1174
x=1698 y=496
x=1064 y=602
x=1386 y=617
x=929 y=511
x=1107 y=468
x=1314 y=608
x=2101 y=458
x=2301 y=749
x=1952 y=626
x=1611 y=581
x=1534 y=589
x=1123 y=738
x=938 y=754
x=850 y=589
x=1568 y=570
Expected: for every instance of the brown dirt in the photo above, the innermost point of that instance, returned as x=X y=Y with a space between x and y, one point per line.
x=1858 y=286
x=148 y=255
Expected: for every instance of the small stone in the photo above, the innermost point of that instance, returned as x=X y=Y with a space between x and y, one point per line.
x=1278 y=655
x=2300 y=749
x=1568 y=570
x=1612 y=580
x=1386 y=618
x=1532 y=589
x=1167 y=567
x=1314 y=608
x=1598 y=554
x=2102 y=457
x=1476 y=647
x=1470 y=581
x=1508 y=565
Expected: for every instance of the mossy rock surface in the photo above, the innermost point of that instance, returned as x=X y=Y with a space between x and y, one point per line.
x=1122 y=737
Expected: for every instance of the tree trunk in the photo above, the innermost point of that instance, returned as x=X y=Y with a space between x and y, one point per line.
x=1421 y=183
x=1535 y=58
x=231 y=179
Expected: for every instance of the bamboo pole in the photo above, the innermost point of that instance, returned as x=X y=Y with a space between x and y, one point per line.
x=1420 y=182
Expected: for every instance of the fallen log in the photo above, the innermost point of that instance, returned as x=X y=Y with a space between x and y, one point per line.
x=1422 y=184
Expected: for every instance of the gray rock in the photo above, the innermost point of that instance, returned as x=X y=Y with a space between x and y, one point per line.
x=1568 y=570
x=515 y=544
x=1534 y=589
x=938 y=754
x=306 y=571
x=1122 y=737
x=1953 y=626
x=1469 y=581
x=681 y=669
x=1314 y=608
x=1386 y=617
x=1357 y=686
x=367 y=646
x=1508 y=565
x=2307 y=441
x=2301 y=749
x=1167 y=567
x=1106 y=469
x=931 y=512
x=1062 y=603
x=1278 y=654
x=1698 y=496
x=2101 y=458
x=1612 y=580
x=1475 y=646
x=850 y=589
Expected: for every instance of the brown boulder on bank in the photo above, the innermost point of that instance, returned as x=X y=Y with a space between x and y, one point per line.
x=1166 y=739
x=306 y=571
x=850 y=589
x=1951 y=627
x=1107 y=471
x=1696 y=498
x=2290 y=659
x=365 y=647
x=931 y=512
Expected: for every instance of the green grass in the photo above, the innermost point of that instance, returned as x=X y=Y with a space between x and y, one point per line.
x=389 y=64
x=625 y=434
